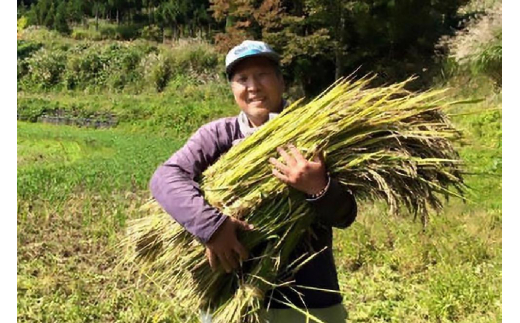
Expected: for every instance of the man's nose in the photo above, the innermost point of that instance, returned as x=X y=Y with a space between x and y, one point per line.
x=253 y=83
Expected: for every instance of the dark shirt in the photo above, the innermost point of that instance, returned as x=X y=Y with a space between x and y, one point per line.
x=174 y=186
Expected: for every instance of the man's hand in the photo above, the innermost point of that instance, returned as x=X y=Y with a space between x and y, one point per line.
x=307 y=176
x=224 y=247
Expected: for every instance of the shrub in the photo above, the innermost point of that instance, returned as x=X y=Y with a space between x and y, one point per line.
x=21 y=71
x=195 y=61
x=88 y=34
x=157 y=69
x=103 y=65
x=152 y=32
x=51 y=39
x=31 y=109
x=21 y=23
x=123 y=66
x=106 y=31
x=45 y=68
x=25 y=48
x=119 y=32
x=90 y=65
x=85 y=66
x=489 y=60
x=196 y=55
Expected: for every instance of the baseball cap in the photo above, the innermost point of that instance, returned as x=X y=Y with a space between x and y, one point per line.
x=249 y=48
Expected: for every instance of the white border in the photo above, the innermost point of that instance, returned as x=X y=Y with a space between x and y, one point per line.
x=511 y=180
x=510 y=221
x=8 y=166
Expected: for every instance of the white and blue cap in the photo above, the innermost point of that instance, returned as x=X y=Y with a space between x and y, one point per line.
x=249 y=48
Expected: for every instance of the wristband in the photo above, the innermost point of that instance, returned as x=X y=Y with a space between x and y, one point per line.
x=320 y=193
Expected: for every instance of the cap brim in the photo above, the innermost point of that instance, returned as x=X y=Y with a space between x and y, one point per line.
x=272 y=56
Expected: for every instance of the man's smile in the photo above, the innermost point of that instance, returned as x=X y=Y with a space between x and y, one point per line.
x=259 y=100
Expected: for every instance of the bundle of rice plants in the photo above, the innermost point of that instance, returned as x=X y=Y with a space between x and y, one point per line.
x=382 y=143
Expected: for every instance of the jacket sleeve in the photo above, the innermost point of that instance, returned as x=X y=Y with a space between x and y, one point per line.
x=337 y=207
x=174 y=184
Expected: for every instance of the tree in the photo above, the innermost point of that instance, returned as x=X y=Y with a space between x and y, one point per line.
x=21 y=9
x=239 y=22
x=182 y=15
x=288 y=27
x=322 y=40
x=76 y=10
x=49 y=17
x=60 y=20
x=32 y=15
x=122 y=7
x=41 y=9
x=97 y=8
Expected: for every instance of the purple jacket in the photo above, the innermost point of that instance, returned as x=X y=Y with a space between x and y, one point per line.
x=174 y=185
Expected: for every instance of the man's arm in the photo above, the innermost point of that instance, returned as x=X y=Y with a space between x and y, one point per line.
x=175 y=187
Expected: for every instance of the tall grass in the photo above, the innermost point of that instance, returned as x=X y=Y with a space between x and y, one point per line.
x=477 y=48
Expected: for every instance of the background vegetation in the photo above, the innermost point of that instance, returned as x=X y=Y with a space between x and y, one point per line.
x=393 y=38
x=154 y=69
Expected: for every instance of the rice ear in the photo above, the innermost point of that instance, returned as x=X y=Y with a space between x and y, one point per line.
x=384 y=143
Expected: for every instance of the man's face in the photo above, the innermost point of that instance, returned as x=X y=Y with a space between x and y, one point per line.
x=257 y=89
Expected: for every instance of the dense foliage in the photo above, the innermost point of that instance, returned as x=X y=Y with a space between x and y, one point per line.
x=333 y=38
x=114 y=66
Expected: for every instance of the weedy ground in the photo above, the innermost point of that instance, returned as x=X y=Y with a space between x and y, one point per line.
x=77 y=188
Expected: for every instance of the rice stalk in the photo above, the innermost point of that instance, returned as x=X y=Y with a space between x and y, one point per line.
x=382 y=143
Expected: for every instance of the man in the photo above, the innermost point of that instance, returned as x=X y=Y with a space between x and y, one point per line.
x=257 y=85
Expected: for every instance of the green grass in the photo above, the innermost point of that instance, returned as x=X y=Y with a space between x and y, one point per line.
x=390 y=271
x=110 y=160
x=180 y=109
x=48 y=152
x=73 y=204
x=75 y=200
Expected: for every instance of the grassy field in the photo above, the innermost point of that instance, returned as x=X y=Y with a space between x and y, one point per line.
x=183 y=106
x=77 y=188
